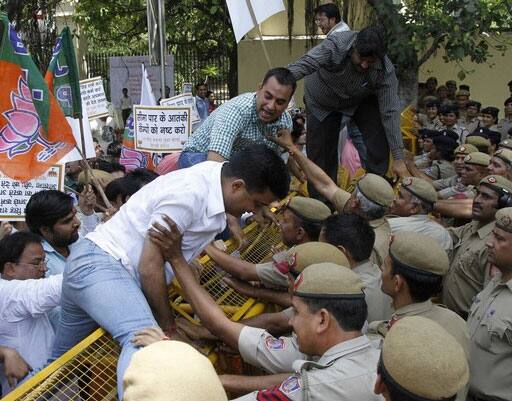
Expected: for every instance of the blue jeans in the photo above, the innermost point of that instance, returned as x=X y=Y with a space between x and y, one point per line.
x=98 y=290
x=189 y=159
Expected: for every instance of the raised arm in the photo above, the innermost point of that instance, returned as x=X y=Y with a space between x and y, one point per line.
x=211 y=315
x=235 y=266
x=315 y=175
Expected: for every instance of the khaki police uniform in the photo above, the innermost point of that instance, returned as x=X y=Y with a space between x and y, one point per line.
x=468 y=267
x=469 y=270
x=382 y=234
x=275 y=274
x=446 y=318
x=347 y=370
x=379 y=304
x=440 y=169
x=276 y=355
x=422 y=361
x=444 y=183
x=490 y=329
x=506 y=144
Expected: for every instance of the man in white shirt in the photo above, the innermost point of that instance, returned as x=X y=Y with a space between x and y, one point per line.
x=117 y=278
x=26 y=297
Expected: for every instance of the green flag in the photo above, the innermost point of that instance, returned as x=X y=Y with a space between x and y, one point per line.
x=62 y=76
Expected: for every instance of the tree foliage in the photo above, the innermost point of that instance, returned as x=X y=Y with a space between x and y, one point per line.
x=35 y=21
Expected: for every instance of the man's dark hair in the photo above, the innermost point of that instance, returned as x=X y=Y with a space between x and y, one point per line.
x=507 y=101
x=114 y=149
x=261 y=169
x=464 y=87
x=491 y=110
x=370 y=43
x=283 y=76
x=330 y=10
x=474 y=103
x=447 y=109
x=44 y=208
x=352 y=232
x=349 y=313
x=110 y=167
x=422 y=286
x=199 y=84
x=129 y=184
x=12 y=246
x=433 y=103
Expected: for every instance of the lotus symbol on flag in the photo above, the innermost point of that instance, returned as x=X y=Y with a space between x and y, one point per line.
x=132 y=159
x=23 y=123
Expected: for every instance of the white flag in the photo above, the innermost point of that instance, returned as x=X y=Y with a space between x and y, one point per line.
x=241 y=17
x=146 y=93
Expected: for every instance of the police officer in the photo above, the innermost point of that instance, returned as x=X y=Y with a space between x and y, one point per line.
x=420 y=361
x=371 y=200
x=469 y=270
x=501 y=163
x=301 y=222
x=413 y=202
x=452 y=186
x=329 y=316
x=490 y=320
x=476 y=167
x=412 y=274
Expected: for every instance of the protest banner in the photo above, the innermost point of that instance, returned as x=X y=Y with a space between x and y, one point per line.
x=183 y=100
x=186 y=87
x=14 y=195
x=161 y=128
x=93 y=97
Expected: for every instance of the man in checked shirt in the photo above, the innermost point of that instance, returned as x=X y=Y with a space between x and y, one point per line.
x=350 y=80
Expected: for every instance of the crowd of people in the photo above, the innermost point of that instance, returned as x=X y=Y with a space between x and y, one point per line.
x=385 y=292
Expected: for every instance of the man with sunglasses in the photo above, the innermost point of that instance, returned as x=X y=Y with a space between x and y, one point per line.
x=26 y=298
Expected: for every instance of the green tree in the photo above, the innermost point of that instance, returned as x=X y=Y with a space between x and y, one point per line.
x=35 y=21
x=417 y=29
x=120 y=26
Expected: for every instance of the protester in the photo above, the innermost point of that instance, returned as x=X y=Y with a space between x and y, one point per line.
x=119 y=262
x=26 y=299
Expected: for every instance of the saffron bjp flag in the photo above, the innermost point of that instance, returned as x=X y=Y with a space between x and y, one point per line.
x=34 y=133
x=130 y=157
x=62 y=76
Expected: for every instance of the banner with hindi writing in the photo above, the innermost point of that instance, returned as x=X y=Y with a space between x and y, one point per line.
x=185 y=99
x=14 y=194
x=93 y=97
x=161 y=128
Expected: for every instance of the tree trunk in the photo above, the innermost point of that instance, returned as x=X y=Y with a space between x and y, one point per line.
x=407 y=87
x=358 y=14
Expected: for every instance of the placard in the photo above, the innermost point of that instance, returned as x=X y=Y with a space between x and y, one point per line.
x=161 y=128
x=93 y=97
x=185 y=99
x=186 y=87
x=14 y=195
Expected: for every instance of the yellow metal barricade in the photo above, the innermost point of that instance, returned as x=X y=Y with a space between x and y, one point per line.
x=87 y=372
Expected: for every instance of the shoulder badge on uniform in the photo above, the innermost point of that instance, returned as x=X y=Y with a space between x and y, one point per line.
x=290 y=385
x=274 y=344
x=491 y=180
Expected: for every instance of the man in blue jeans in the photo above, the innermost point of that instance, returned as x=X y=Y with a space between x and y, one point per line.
x=117 y=278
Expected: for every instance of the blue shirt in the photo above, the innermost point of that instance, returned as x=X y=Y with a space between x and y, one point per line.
x=55 y=262
x=233 y=126
x=202 y=106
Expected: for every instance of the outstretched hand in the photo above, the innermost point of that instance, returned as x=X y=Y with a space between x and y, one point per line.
x=167 y=239
x=283 y=138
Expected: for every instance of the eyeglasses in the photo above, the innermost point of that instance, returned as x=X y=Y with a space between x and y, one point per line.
x=41 y=265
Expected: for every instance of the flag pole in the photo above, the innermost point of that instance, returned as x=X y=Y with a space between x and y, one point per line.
x=260 y=35
x=88 y=170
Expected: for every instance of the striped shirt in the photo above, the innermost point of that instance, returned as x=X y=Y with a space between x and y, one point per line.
x=333 y=83
x=233 y=126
